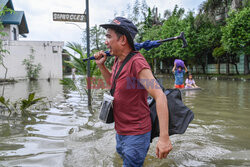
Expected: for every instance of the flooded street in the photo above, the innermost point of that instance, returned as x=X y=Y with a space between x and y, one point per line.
x=71 y=134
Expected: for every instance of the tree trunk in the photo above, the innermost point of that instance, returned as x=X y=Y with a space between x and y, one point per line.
x=246 y=64
x=204 y=65
x=218 y=63
x=204 y=68
x=227 y=66
x=236 y=68
x=5 y=76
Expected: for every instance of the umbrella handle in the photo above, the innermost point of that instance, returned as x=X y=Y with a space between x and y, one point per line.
x=181 y=36
x=93 y=58
x=138 y=47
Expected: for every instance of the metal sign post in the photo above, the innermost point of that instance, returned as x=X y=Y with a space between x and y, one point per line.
x=76 y=17
x=88 y=52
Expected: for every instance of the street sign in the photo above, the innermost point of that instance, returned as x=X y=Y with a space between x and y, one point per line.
x=70 y=17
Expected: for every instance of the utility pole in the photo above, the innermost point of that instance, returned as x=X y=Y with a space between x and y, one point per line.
x=88 y=53
x=76 y=17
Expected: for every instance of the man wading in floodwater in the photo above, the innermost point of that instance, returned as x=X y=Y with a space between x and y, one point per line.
x=131 y=111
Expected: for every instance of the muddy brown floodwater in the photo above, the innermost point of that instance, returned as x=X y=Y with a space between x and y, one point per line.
x=71 y=134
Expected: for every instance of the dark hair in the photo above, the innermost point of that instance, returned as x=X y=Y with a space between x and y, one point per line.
x=118 y=33
x=190 y=75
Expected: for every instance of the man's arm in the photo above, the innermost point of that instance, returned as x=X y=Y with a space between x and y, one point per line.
x=100 y=60
x=164 y=145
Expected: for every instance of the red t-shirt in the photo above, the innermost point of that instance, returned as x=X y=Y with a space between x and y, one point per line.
x=131 y=110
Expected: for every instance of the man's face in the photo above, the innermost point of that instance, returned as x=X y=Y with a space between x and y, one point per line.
x=112 y=42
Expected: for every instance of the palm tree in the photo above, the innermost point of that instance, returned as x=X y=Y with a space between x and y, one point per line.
x=80 y=66
x=77 y=63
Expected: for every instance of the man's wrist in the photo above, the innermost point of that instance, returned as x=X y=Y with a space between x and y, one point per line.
x=164 y=136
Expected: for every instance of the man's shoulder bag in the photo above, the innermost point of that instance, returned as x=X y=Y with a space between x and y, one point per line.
x=106 y=110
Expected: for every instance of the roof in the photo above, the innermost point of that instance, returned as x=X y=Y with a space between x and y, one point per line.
x=17 y=17
x=7 y=3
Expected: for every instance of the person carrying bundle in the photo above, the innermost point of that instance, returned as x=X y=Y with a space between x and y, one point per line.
x=179 y=71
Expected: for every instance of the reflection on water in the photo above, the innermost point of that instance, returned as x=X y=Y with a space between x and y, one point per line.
x=72 y=135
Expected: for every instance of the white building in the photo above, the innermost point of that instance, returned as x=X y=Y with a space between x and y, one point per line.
x=47 y=53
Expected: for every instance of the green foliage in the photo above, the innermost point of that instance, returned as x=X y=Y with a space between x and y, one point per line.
x=26 y=103
x=170 y=28
x=32 y=69
x=218 y=52
x=206 y=37
x=246 y=3
x=81 y=67
x=236 y=33
x=202 y=32
x=69 y=84
x=78 y=63
x=5 y=103
x=24 y=106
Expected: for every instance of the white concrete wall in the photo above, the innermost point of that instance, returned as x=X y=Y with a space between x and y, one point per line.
x=9 y=29
x=47 y=53
x=12 y=32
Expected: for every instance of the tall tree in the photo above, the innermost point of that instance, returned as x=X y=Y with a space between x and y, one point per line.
x=97 y=39
x=144 y=9
x=218 y=52
x=136 y=12
x=207 y=37
x=216 y=10
x=235 y=35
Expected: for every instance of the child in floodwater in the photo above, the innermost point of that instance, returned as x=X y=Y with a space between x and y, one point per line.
x=190 y=83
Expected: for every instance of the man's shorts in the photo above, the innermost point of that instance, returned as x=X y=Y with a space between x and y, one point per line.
x=179 y=86
x=133 y=148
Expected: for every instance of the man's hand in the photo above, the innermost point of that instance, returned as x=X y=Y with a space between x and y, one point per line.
x=100 y=57
x=163 y=147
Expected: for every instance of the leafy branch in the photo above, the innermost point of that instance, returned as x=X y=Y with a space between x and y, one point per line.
x=23 y=106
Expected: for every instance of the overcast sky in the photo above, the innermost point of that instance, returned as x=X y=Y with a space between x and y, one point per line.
x=41 y=26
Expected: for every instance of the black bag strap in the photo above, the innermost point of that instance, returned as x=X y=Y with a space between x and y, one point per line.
x=129 y=56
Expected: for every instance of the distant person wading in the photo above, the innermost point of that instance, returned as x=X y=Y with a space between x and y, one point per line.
x=179 y=72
